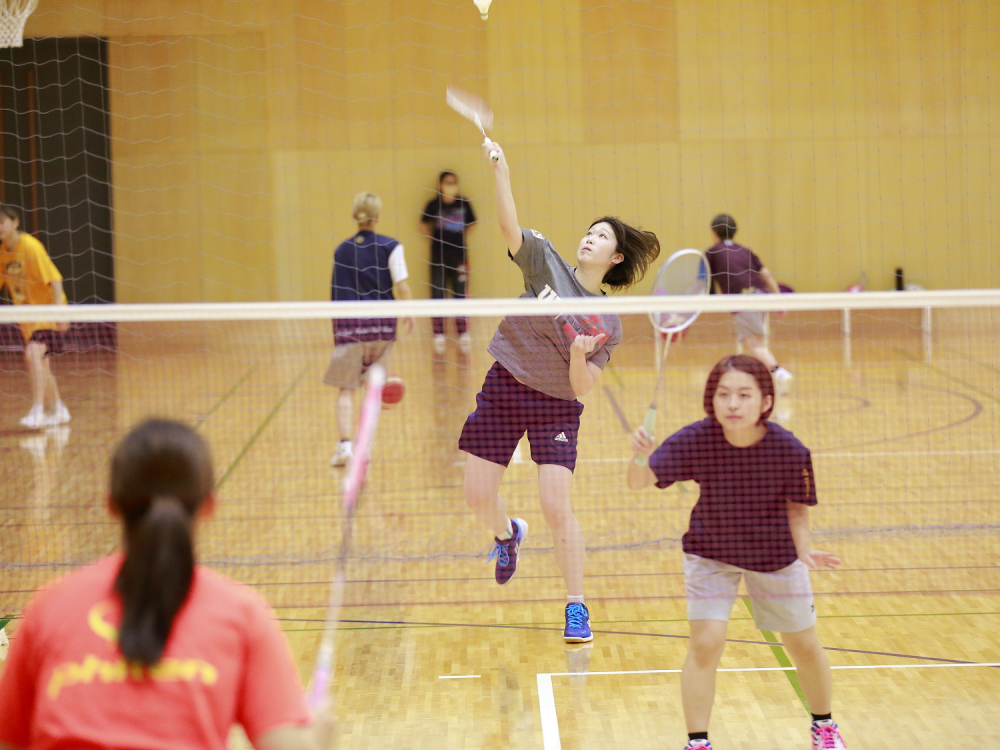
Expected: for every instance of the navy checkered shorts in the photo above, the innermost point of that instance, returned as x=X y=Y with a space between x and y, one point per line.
x=506 y=408
x=53 y=340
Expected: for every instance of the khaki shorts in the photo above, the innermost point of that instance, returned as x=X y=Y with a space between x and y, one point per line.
x=350 y=362
x=782 y=600
x=747 y=324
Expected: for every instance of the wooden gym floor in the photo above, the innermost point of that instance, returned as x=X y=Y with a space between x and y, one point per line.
x=432 y=654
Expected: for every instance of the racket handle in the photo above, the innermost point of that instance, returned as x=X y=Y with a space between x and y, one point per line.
x=649 y=426
x=494 y=154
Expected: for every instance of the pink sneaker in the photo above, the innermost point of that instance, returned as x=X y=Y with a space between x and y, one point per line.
x=826 y=736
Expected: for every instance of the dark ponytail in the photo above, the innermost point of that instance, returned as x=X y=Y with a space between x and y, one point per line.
x=161 y=474
x=639 y=248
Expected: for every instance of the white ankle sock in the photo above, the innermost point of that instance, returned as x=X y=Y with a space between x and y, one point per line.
x=575 y=599
x=508 y=533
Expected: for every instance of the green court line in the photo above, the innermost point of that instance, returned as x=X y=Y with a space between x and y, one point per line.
x=225 y=397
x=261 y=428
x=945 y=374
x=3 y=623
x=783 y=660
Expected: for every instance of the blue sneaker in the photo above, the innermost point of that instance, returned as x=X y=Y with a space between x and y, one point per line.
x=505 y=551
x=577 y=624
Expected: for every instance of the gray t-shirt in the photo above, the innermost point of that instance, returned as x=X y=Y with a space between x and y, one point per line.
x=535 y=349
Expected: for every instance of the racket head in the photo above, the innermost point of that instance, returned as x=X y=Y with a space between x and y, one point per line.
x=470 y=106
x=685 y=274
x=371 y=407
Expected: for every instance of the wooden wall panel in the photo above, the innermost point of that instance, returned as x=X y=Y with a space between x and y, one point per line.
x=848 y=138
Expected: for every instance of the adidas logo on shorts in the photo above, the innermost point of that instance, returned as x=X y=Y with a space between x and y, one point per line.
x=561 y=438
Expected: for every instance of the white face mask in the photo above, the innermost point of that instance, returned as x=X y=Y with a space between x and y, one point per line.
x=450 y=190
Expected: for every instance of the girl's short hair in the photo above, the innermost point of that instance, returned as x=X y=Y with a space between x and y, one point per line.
x=739 y=363
x=367 y=207
x=446 y=173
x=11 y=213
x=639 y=247
x=724 y=225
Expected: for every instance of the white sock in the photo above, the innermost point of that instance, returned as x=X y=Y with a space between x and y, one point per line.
x=575 y=599
x=508 y=533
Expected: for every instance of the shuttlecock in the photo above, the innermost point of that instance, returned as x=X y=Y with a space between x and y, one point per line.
x=484 y=8
x=4 y=644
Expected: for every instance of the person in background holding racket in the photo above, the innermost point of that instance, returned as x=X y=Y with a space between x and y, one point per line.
x=366 y=266
x=751 y=521
x=148 y=648
x=738 y=270
x=448 y=220
x=543 y=365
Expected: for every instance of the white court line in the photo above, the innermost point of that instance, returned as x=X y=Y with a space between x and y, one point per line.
x=459 y=676
x=547 y=699
x=907 y=453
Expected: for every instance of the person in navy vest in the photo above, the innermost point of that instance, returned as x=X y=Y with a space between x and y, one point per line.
x=366 y=266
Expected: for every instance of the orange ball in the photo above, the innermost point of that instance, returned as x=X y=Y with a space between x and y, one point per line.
x=393 y=390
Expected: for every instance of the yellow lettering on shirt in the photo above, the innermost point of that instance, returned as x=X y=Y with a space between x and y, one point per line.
x=99 y=625
x=94 y=669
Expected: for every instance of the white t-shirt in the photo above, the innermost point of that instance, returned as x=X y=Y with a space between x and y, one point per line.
x=397 y=264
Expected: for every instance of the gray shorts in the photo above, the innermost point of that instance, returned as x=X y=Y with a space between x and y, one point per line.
x=350 y=362
x=747 y=324
x=782 y=600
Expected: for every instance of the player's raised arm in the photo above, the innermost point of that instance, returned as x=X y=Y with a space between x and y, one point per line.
x=506 y=210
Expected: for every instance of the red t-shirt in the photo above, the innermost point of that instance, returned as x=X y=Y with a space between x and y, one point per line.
x=226 y=661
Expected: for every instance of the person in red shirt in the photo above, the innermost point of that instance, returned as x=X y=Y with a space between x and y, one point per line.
x=148 y=648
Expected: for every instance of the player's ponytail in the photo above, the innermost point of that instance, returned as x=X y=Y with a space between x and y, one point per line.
x=367 y=208
x=639 y=247
x=161 y=474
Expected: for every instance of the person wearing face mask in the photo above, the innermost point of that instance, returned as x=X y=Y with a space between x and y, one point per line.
x=447 y=220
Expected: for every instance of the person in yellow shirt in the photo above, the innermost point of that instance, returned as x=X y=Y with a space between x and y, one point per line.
x=32 y=279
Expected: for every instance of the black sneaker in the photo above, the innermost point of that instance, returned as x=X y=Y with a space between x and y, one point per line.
x=505 y=551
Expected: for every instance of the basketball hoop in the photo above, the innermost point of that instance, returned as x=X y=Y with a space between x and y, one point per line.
x=13 y=15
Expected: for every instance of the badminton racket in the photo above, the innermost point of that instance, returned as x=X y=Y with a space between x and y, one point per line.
x=684 y=274
x=371 y=407
x=472 y=108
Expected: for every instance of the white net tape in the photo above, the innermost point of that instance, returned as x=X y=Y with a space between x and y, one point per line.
x=13 y=16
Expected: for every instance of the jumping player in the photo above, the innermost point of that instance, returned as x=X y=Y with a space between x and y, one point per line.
x=146 y=648
x=543 y=365
x=33 y=279
x=738 y=270
x=751 y=521
x=366 y=266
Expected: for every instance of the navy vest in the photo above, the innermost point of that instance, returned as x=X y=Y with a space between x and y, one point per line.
x=361 y=272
